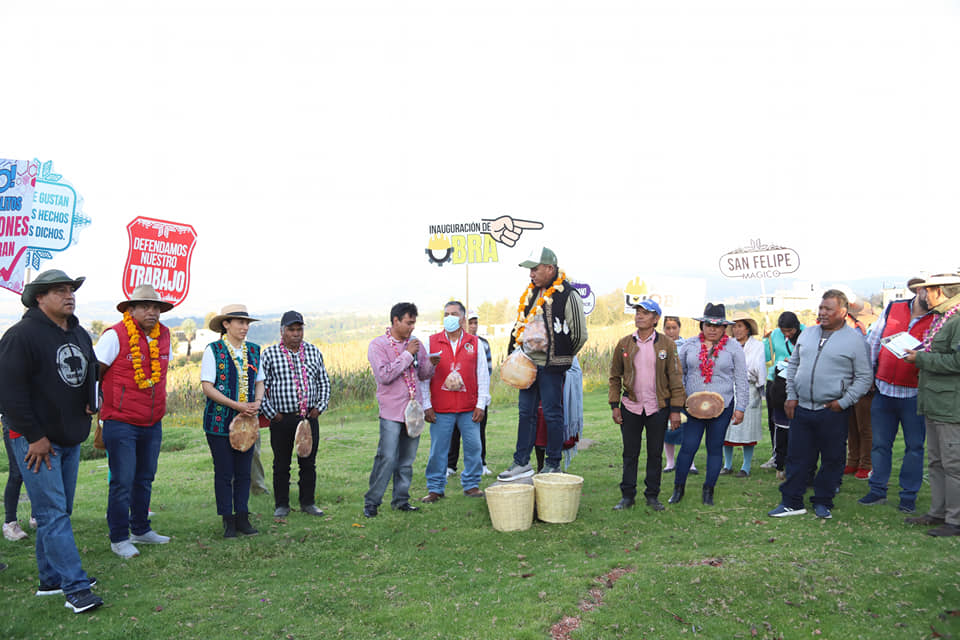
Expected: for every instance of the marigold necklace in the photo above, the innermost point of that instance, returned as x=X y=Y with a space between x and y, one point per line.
x=137 y=356
x=545 y=296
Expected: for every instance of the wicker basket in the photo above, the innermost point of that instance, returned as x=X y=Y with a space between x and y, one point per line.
x=511 y=506
x=558 y=496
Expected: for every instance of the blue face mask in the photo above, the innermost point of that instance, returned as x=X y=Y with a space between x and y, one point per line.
x=451 y=323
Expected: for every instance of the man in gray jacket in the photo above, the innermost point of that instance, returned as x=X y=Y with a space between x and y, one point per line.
x=828 y=372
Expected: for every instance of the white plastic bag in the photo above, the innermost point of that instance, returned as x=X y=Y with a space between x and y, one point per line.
x=518 y=370
x=413 y=417
x=454 y=381
x=535 y=333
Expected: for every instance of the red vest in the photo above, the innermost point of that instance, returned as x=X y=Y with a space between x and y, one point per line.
x=465 y=359
x=891 y=369
x=123 y=400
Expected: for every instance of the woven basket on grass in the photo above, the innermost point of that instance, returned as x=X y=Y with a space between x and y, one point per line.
x=511 y=506
x=558 y=496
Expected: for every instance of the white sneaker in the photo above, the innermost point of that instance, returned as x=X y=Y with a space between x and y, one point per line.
x=450 y=471
x=515 y=472
x=124 y=549
x=13 y=532
x=770 y=464
x=150 y=537
x=486 y=471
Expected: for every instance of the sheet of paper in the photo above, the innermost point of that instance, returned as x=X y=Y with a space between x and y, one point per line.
x=898 y=343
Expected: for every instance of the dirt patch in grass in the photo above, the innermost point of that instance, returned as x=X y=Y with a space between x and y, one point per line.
x=568 y=624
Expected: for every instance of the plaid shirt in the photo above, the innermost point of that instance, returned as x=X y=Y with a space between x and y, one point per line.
x=281 y=384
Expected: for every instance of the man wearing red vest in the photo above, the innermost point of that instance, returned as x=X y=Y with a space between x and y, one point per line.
x=458 y=393
x=895 y=402
x=133 y=355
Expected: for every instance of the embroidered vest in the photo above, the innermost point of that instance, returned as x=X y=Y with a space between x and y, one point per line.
x=465 y=358
x=217 y=417
x=559 y=345
x=890 y=368
x=123 y=400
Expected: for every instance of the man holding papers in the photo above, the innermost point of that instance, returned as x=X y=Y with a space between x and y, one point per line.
x=895 y=403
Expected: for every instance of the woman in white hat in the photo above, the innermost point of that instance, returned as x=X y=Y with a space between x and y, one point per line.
x=747 y=433
x=232 y=381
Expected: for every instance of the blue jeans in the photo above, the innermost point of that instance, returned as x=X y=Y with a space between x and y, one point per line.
x=231 y=475
x=396 y=452
x=887 y=414
x=813 y=434
x=546 y=391
x=440 y=432
x=693 y=431
x=51 y=494
x=132 y=453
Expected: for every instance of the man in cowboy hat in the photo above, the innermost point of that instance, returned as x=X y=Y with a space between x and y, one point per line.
x=553 y=310
x=134 y=355
x=826 y=375
x=48 y=395
x=938 y=359
x=296 y=387
x=895 y=401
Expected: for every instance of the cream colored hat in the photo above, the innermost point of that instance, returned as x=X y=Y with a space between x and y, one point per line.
x=740 y=315
x=228 y=312
x=145 y=293
x=940 y=280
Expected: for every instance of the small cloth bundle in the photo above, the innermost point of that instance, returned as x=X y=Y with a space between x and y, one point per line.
x=303 y=440
x=518 y=370
x=243 y=432
x=705 y=405
x=414 y=418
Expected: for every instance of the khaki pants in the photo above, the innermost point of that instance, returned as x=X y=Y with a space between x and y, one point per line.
x=943 y=453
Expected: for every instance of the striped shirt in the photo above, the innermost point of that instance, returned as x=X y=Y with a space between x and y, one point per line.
x=873 y=339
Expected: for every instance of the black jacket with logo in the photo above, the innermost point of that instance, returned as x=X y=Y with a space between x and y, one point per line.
x=47 y=379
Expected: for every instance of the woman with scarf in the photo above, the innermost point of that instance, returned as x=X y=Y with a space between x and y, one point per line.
x=715 y=378
x=232 y=381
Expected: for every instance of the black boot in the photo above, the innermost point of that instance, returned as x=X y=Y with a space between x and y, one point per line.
x=677 y=493
x=229 y=527
x=708 y=495
x=243 y=524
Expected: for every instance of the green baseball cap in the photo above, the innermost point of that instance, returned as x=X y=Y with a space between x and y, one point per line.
x=540 y=255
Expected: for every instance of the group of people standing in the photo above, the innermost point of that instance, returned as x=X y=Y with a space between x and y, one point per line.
x=55 y=380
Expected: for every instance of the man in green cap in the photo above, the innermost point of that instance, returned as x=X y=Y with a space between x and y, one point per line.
x=49 y=377
x=551 y=328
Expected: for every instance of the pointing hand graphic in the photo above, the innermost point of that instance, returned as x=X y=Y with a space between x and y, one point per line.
x=507 y=230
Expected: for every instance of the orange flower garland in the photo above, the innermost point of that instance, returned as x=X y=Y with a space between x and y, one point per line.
x=521 y=324
x=138 y=376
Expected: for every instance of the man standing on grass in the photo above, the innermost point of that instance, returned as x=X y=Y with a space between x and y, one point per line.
x=826 y=375
x=895 y=402
x=49 y=381
x=398 y=361
x=134 y=355
x=455 y=398
x=296 y=388
x=646 y=390
x=551 y=328
x=473 y=327
x=938 y=359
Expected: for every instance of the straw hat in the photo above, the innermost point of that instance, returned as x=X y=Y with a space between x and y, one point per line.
x=940 y=280
x=228 y=312
x=145 y=293
x=741 y=316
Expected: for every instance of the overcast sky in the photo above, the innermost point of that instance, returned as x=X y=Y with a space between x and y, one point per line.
x=312 y=143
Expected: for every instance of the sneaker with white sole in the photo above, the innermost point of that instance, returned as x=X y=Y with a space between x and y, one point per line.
x=82 y=601
x=548 y=469
x=55 y=590
x=124 y=549
x=486 y=471
x=822 y=511
x=782 y=511
x=770 y=464
x=13 y=532
x=515 y=472
x=150 y=537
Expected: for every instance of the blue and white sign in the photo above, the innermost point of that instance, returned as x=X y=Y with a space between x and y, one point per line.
x=56 y=218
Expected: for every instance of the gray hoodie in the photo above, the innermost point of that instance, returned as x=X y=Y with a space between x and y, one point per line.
x=839 y=370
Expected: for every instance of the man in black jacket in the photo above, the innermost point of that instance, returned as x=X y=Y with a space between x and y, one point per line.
x=48 y=370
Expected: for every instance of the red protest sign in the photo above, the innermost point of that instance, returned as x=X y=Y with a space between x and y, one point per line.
x=159 y=254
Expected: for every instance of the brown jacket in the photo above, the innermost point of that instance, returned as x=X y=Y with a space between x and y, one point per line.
x=669 y=375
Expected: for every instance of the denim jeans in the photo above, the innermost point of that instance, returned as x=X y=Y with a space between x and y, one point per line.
x=132 y=453
x=887 y=414
x=396 y=452
x=282 y=436
x=546 y=391
x=632 y=433
x=231 y=475
x=11 y=493
x=813 y=434
x=693 y=431
x=454 y=454
x=440 y=432
x=51 y=494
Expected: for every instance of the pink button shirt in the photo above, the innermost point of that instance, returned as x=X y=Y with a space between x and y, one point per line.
x=644 y=379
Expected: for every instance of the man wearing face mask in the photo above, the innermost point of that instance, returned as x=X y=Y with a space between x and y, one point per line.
x=458 y=393
x=895 y=403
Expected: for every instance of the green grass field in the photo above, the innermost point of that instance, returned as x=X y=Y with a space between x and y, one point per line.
x=723 y=572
